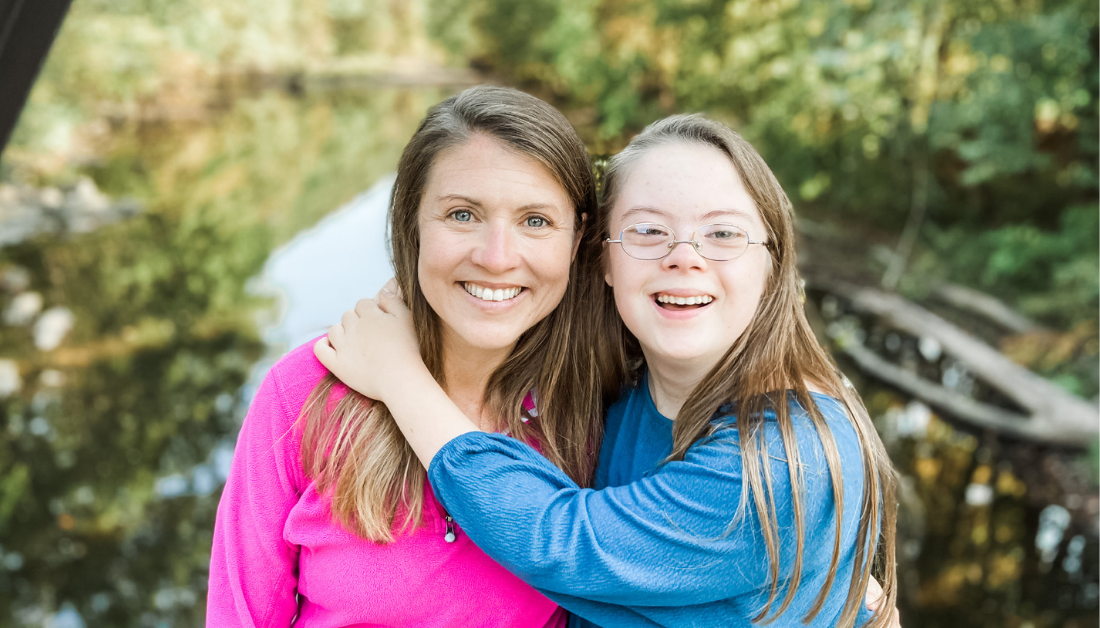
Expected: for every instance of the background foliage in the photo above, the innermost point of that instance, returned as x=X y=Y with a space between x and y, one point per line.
x=939 y=141
x=851 y=102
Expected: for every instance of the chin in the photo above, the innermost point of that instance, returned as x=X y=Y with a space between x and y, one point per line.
x=681 y=352
x=491 y=340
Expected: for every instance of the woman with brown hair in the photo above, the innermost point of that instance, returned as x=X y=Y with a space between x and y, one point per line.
x=740 y=480
x=327 y=518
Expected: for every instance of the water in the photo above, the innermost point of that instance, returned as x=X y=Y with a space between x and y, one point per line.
x=992 y=531
x=324 y=270
x=123 y=384
x=259 y=224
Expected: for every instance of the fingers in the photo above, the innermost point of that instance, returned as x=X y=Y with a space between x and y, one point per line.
x=349 y=319
x=391 y=286
x=873 y=597
x=324 y=351
x=335 y=336
x=364 y=306
x=390 y=301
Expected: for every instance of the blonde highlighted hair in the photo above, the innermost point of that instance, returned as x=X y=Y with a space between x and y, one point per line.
x=352 y=447
x=778 y=352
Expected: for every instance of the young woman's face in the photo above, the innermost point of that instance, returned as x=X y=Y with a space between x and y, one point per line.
x=685 y=186
x=496 y=243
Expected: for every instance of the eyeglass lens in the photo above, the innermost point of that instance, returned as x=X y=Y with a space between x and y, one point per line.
x=650 y=241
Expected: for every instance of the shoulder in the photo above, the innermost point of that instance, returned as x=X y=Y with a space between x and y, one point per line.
x=295 y=376
x=834 y=412
x=831 y=408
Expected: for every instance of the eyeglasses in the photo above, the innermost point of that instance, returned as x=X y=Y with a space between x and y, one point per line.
x=651 y=241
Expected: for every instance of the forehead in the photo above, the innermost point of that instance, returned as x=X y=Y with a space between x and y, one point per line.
x=488 y=172
x=685 y=184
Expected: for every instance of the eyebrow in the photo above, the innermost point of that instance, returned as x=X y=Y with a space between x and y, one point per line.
x=479 y=204
x=717 y=213
x=459 y=197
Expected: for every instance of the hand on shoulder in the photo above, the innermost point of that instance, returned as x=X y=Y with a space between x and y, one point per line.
x=374 y=347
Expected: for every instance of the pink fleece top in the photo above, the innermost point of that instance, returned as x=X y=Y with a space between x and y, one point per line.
x=280 y=559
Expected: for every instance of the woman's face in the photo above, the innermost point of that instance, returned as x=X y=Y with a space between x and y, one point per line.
x=685 y=186
x=496 y=244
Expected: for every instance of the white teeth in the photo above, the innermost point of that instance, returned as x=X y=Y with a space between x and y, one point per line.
x=488 y=294
x=695 y=300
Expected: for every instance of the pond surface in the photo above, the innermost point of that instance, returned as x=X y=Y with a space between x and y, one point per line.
x=117 y=440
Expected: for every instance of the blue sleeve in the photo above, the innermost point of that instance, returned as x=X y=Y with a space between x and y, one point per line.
x=664 y=540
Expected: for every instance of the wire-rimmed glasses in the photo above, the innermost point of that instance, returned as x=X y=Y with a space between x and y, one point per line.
x=651 y=241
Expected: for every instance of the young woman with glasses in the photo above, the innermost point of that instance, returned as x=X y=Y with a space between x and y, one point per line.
x=740 y=479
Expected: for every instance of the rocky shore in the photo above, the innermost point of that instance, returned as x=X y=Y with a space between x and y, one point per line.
x=27 y=211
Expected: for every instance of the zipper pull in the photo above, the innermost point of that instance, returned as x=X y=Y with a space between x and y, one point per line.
x=450 y=536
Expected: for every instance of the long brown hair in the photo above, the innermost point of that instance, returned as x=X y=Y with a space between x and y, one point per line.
x=352 y=447
x=776 y=353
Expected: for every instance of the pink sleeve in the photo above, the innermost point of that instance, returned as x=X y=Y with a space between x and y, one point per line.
x=253 y=571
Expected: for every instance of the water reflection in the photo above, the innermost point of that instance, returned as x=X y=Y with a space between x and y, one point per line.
x=324 y=270
x=992 y=531
x=122 y=384
x=128 y=354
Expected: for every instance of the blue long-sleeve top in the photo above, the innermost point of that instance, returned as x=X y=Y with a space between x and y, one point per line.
x=656 y=544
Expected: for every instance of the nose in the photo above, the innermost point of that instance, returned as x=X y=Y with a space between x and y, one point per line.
x=683 y=256
x=497 y=250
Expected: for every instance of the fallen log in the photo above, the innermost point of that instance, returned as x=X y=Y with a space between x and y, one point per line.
x=1053 y=414
x=984 y=305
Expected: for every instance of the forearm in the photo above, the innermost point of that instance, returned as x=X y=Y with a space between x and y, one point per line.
x=426 y=415
x=663 y=540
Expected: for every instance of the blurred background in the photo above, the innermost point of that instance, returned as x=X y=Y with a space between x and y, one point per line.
x=173 y=191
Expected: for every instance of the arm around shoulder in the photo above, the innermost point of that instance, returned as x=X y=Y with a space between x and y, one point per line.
x=669 y=539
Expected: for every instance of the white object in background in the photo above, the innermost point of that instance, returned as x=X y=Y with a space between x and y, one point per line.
x=10 y=382
x=52 y=327
x=24 y=307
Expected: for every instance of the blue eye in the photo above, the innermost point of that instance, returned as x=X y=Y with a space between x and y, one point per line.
x=649 y=230
x=536 y=221
x=462 y=215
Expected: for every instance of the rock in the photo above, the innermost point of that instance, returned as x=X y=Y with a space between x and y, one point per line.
x=26 y=211
x=10 y=382
x=86 y=194
x=51 y=197
x=52 y=327
x=52 y=378
x=24 y=307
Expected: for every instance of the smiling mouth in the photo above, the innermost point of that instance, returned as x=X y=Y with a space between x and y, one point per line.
x=490 y=294
x=694 y=302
